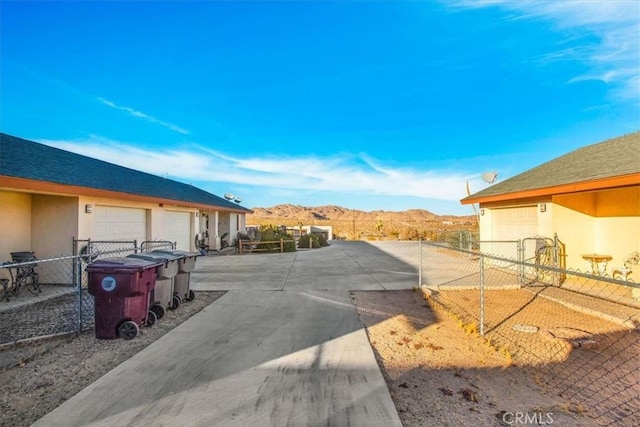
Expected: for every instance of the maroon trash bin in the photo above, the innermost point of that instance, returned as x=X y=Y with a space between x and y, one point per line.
x=121 y=287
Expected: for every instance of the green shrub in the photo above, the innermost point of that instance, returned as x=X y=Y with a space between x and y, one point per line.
x=304 y=241
x=271 y=233
x=289 y=244
x=321 y=240
x=462 y=239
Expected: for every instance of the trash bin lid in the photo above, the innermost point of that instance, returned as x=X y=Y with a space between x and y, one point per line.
x=178 y=253
x=150 y=256
x=122 y=265
x=167 y=254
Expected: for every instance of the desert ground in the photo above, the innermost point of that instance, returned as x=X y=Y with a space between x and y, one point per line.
x=437 y=372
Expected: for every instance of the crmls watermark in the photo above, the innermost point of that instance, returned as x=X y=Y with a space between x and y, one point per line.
x=528 y=418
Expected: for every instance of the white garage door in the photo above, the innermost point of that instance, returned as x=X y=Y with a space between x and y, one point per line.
x=116 y=223
x=515 y=223
x=177 y=228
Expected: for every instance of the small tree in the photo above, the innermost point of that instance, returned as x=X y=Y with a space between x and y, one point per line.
x=379 y=226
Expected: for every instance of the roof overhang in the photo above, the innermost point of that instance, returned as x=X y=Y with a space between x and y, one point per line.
x=575 y=187
x=43 y=187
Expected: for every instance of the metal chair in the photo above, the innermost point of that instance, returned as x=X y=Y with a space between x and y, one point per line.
x=26 y=274
x=624 y=272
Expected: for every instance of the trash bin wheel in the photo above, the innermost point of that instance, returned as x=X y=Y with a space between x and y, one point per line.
x=158 y=310
x=151 y=318
x=191 y=295
x=128 y=330
x=175 y=302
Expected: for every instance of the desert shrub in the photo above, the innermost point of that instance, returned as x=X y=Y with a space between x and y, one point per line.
x=321 y=240
x=289 y=244
x=271 y=233
x=304 y=241
x=462 y=239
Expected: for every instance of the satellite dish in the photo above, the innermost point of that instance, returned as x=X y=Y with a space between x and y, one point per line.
x=229 y=196
x=489 y=177
x=237 y=200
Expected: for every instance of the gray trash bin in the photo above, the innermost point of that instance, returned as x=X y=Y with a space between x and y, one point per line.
x=186 y=264
x=162 y=296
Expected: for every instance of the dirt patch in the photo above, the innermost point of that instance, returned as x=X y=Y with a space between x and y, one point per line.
x=440 y=374
x=566 y=340
x=38 y=377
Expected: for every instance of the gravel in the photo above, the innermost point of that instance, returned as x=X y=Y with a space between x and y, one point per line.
x=39 y=376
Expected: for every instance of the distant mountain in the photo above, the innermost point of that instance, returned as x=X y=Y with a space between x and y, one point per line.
x=348 y=221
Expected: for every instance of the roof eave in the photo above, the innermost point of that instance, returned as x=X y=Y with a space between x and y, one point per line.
x=574 y=187
x=23 y=184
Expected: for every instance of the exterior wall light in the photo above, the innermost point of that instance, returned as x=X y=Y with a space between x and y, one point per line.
x=88 y=208
x=543 y=207
x=482 y=211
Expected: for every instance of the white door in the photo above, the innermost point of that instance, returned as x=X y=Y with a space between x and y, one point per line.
x=117 y=223
x=514 y=223
x=177 y=228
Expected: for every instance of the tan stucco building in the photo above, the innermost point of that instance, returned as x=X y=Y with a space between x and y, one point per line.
x=589 y=197
x=48 y=197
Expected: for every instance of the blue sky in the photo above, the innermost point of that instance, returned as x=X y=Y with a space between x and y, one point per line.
x=364 y=104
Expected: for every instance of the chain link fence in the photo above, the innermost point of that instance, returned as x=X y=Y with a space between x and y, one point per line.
x=43 y=298
x=577 y=332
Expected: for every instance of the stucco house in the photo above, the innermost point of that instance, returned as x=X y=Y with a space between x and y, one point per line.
x=589 y=197
x=50 y=196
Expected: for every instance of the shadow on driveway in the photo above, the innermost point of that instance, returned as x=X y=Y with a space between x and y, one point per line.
x=284 y=346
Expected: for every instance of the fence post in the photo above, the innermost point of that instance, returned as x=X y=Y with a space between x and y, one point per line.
x=281 y=245
x=520 y=250
x=556 y=264
x=481 y=295
x=420 y=269
x=79 y=292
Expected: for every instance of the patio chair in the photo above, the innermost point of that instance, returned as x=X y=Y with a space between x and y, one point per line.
x=26 y=275
x=624 y=272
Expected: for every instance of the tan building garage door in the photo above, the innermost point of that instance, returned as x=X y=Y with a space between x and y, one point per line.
x=177 y=228
x=514 y=223
x=117 y=223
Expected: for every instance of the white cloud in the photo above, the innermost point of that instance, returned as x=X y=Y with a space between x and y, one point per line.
x=613 y=57
x=345 y=173
x=144 y=116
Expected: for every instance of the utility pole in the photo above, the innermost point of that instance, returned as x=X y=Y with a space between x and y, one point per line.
x=354 y=222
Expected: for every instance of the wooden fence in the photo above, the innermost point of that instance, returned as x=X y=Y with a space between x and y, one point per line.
x=247 y=246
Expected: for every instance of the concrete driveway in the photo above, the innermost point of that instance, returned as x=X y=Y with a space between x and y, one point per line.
x=283 y=347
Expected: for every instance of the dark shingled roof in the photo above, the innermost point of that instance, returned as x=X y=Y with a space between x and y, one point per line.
x=612 y=158
x=21 y=158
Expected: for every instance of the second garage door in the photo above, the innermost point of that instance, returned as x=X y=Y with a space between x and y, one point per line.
x=177 y=227
x=514 y=223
